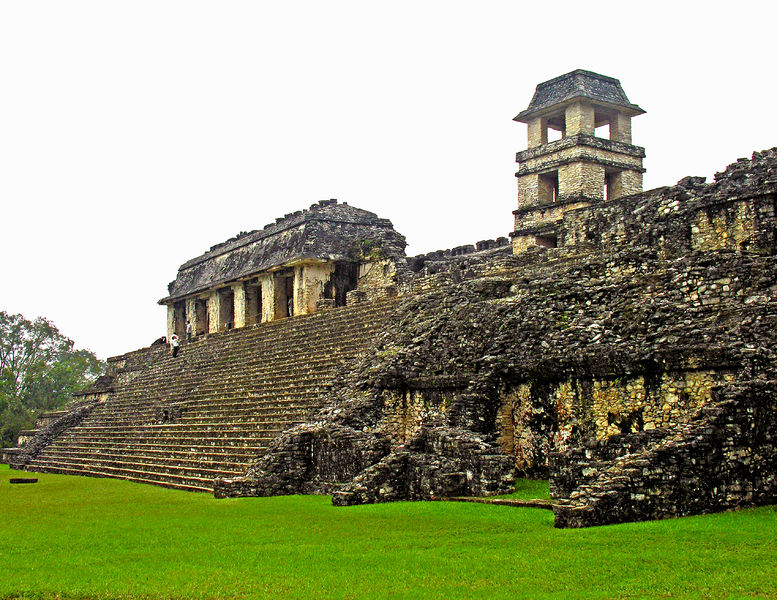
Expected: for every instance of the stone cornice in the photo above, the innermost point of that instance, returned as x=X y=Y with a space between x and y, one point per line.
x=581 y=139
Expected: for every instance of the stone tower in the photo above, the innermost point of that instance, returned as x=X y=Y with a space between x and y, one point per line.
x=581 y=167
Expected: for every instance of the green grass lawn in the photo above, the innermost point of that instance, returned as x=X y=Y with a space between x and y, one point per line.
x=72 y=537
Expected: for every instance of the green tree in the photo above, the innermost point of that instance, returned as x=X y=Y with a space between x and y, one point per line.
x=39 y=371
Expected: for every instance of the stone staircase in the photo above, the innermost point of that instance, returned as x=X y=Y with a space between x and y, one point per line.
x=181 y=422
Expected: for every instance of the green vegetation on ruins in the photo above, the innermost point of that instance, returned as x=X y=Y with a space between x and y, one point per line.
x=75 y=537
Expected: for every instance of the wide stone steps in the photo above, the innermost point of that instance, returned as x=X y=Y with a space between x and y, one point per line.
x=192 y=484
x=223 y=460
x=180 y=422
x=170 y=449
x=132 y=464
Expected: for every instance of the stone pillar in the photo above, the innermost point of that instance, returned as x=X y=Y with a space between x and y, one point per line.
x=191 y=314
x=314 y=278
x=299 y=291
x=534 y=189
x=268 y=297
x=580 y=119
x=620 y=128
x=581 y=179
x=170 y=320
x=624 y=183
x=214 y=312
x=240 y=308
x=538 y=132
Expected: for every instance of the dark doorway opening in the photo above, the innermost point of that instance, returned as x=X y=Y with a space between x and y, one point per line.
x=284 y=294
x=227 y=308
x=344 y=279
x=546 y=241
x=201 y=313
x=179 y=319
x=253 y=302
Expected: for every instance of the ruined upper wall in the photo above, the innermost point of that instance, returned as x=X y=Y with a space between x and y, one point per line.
x=326 y=231
x=735 y=212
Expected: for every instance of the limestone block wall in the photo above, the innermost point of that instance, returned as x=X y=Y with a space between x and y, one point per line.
x=735 y=212
x=581 y=178
x=310 y=285
x=562 y=155
x=724 y=458
x=405 y=412
x=624 y=183
x=534 y=419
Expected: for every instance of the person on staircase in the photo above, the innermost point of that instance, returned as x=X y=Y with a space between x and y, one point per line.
x=188 y=331
x=174 y=343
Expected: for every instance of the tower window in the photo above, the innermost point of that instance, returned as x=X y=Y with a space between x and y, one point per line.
x=548 y=184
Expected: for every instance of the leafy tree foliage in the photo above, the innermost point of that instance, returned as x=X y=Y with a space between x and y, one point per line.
x=39 y=371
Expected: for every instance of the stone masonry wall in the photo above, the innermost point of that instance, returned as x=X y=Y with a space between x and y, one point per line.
x=735 y=212
x=725 y=458
x=578 y=344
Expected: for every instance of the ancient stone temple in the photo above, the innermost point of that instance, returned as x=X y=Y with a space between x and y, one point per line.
x=308 y=257
x=582 y=166
x=624 y=346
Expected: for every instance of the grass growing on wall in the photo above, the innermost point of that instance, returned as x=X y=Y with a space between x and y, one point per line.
x=72 y=537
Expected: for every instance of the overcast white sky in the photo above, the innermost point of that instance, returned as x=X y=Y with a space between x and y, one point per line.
x=135 y=135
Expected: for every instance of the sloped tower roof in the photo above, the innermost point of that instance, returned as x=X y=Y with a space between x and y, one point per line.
x=562 y=90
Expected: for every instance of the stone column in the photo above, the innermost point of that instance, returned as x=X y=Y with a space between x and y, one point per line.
x=268 y=297
x=214 y=312
x=314 y=278
x=299 y=291
x=191 y=314
x=580 y=119
x=170 y=320
x=538 y=132
x=240 y=308
x=620 y=128
x=534 y=189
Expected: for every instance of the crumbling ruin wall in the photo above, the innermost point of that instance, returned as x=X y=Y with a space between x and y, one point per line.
x=493 y=364
x=535 y=417
x=549 y=351
x=49 y=428
x=724 y=458
x=735 y=212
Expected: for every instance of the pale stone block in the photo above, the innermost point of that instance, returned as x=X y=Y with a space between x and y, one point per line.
x=268 y=297
x=191 y=314
x=239 y=291
x=313 y=279
x=214 y=312
x=579 y=118
x=620 y=128
x=170 y=321
x=534 y=189
x=538 y=132
x=624 y=183
x=581 y=179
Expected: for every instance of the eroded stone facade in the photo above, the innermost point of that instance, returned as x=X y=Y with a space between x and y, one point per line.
x=285 y=269
x=624 y=344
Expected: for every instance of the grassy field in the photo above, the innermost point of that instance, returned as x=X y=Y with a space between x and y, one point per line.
x=71 y=537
